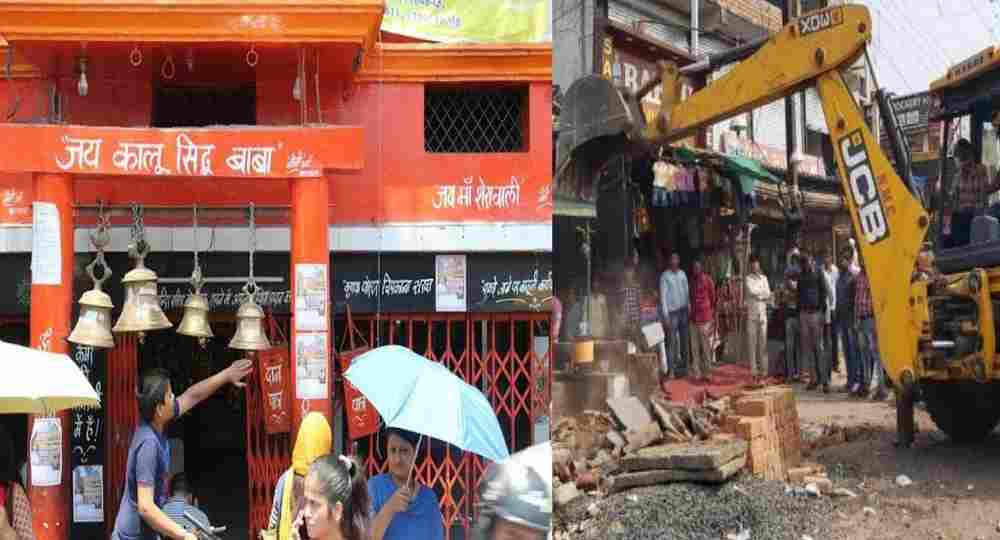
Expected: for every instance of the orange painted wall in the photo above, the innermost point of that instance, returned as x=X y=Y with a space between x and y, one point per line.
x=398 y=184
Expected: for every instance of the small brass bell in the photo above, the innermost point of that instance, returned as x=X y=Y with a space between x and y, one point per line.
x=250 y=334
x=93 y=327
x=141 y=312
x=195 y=321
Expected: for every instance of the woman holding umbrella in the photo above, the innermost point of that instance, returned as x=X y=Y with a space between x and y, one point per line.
x=140 y=516
x=402 y=508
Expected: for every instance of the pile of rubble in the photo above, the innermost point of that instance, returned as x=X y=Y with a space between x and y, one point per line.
x=636 y=445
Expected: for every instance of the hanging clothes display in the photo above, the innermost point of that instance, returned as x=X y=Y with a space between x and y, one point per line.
x=663 y=184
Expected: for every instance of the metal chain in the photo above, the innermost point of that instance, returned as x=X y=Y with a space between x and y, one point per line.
x=100 y=238
x=138 y=231
x=251 y=283
x=197 y=281
x=195 y=232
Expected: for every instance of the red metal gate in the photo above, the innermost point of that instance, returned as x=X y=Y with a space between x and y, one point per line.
x=268 y=456
x=493 y=352
x=122 y=412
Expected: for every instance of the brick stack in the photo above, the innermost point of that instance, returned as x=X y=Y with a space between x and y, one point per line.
x=769 y=421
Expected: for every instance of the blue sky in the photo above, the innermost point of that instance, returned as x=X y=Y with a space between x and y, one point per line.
x=914 y=41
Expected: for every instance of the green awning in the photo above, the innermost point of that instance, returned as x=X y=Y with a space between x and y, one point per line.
x=745 y=167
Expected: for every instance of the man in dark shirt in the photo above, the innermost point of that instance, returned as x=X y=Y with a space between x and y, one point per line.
x=843 y=322
x=812 y=306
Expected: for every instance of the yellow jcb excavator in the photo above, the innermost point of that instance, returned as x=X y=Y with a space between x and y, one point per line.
x=889 y=221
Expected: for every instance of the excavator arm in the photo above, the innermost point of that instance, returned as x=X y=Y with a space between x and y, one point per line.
x=889 y=222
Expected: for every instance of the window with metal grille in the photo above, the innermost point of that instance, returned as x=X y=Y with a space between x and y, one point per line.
x=474 y=121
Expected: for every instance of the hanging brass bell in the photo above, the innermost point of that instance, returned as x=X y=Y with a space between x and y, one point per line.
x=141 y=312
x=195 y=321
x=250 y=334
x=93 y=327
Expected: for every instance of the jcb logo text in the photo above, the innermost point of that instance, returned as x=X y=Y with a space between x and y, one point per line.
x=871 y=214
x=820 y=21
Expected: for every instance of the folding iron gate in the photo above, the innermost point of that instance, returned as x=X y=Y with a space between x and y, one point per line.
x=122 y=412
x=493 y=352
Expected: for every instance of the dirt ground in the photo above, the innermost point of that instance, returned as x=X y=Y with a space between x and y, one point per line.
x=955 y=492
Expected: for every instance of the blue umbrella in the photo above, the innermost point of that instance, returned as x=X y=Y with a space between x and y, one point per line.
x=441 y=406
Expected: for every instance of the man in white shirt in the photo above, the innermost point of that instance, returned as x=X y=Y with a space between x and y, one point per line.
x=758 y=295
x=830 y=275
x=674 y=298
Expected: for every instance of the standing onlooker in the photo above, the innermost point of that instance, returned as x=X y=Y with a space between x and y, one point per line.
x=843 y=322
x=812 y=306
x=703 y=322
x=793 y=336
x=674 y=296
x=758 y=294
x=868 y=339
x=830 y=275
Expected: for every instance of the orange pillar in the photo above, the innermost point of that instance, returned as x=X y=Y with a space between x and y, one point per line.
x=51 y=305
x=310 y=252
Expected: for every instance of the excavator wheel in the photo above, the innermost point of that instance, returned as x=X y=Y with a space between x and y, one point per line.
x=966 y=411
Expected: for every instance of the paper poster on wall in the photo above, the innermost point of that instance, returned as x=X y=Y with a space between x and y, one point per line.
x=46 y=247
x=450 y=275
x=88 y=494
x=46 y=452
x=311 y=366
x=311 y=297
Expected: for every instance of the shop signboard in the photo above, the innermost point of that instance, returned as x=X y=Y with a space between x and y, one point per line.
x=196 y=152
x=387 y=283
x=621 y=65
x=480 y=21
x=494 y=282
x=499 y=282
x=225 y=273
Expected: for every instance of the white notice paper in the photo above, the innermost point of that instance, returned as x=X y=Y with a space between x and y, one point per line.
x=450 y=274
x=311 y=298
x=88 y=494
x=311 y=366
x=46 y=248
x=46 y=452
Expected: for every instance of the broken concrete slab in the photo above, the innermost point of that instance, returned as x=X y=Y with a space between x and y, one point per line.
x=621 y=482
x=667 y=419
x=691 y=456
x=648 y=435
x=630 y=412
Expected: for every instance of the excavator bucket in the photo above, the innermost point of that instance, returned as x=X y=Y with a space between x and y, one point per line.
x=595 y=122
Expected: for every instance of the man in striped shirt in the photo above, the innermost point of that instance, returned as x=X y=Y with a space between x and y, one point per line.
x=871 y=362
x=971 y=189
x=181 y=501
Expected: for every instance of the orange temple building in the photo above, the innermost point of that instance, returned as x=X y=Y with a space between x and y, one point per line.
x=377 y=157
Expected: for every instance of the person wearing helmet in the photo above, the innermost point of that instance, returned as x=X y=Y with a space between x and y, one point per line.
x=515 y=500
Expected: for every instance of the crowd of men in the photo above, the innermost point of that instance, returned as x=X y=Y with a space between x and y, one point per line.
x=826 y=309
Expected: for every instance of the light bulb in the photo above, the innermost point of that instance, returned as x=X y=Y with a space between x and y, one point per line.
x=297 y=89
x=82 y=87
